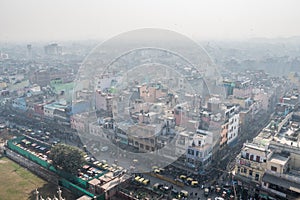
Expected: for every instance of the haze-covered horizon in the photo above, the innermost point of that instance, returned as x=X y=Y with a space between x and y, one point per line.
x=55 y=20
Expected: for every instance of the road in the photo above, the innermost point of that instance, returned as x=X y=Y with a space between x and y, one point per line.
x=112 y=155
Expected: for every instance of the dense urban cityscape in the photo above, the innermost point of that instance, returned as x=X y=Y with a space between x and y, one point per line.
x=149 y=100
x=243 y=146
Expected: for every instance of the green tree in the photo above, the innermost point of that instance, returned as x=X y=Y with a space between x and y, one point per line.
x=66 y=157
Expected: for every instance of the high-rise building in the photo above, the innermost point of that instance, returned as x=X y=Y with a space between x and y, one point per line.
x=53 y=49
x=29 y=51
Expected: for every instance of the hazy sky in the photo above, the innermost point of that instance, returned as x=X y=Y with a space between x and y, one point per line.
x=51 y=20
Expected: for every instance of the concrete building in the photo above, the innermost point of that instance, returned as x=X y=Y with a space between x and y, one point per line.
x=199 y=153
x=53 y=49
x=251 y=163
x=230 y=127
x=19 y=104
x=270 y=164
x=143 y=137
x=182 y=143
x=104 y=102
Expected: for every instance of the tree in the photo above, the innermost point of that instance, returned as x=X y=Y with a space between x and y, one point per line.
x=66 y=157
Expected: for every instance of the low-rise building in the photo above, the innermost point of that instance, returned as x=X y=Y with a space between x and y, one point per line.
x=271 y=163
x=251 y=163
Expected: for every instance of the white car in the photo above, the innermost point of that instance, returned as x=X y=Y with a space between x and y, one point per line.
x=103 y=149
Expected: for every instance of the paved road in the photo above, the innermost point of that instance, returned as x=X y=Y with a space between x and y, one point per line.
x=197 y=192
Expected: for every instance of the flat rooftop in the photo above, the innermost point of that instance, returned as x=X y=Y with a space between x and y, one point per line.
x=254 y=146
x=286 y=141
x=279 y=159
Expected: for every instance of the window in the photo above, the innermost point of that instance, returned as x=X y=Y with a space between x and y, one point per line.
x=191 y=152
x=256 y=177
x=250 y=172
x=251 y=157
x=274 y=169
x=245 y=171
x=257 y=158
x=247 y=155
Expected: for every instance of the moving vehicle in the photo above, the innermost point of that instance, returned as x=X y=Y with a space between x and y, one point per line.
x=184 y=193
x=182 y=177
x=194 y=183
x=157 y=186
x=174 y=192
x=206 y=192
x=146 y=182
x=189 y=181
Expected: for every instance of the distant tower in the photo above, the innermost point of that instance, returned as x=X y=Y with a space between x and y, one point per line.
x=29 y=52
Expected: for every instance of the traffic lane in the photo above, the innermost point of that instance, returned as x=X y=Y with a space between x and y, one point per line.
x=196 y=192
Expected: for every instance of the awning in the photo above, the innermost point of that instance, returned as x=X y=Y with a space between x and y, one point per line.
x=281 y=182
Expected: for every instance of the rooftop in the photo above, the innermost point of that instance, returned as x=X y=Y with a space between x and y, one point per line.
x=289 y=134
x=84 y=197
x=254 y=146
x=55 y=105
x=94 y=182
x=279 y=159
x=113 y=183
x=263 y=138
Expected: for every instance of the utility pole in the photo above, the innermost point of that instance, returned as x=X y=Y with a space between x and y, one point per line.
x=230 y=175
x=235 y=196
